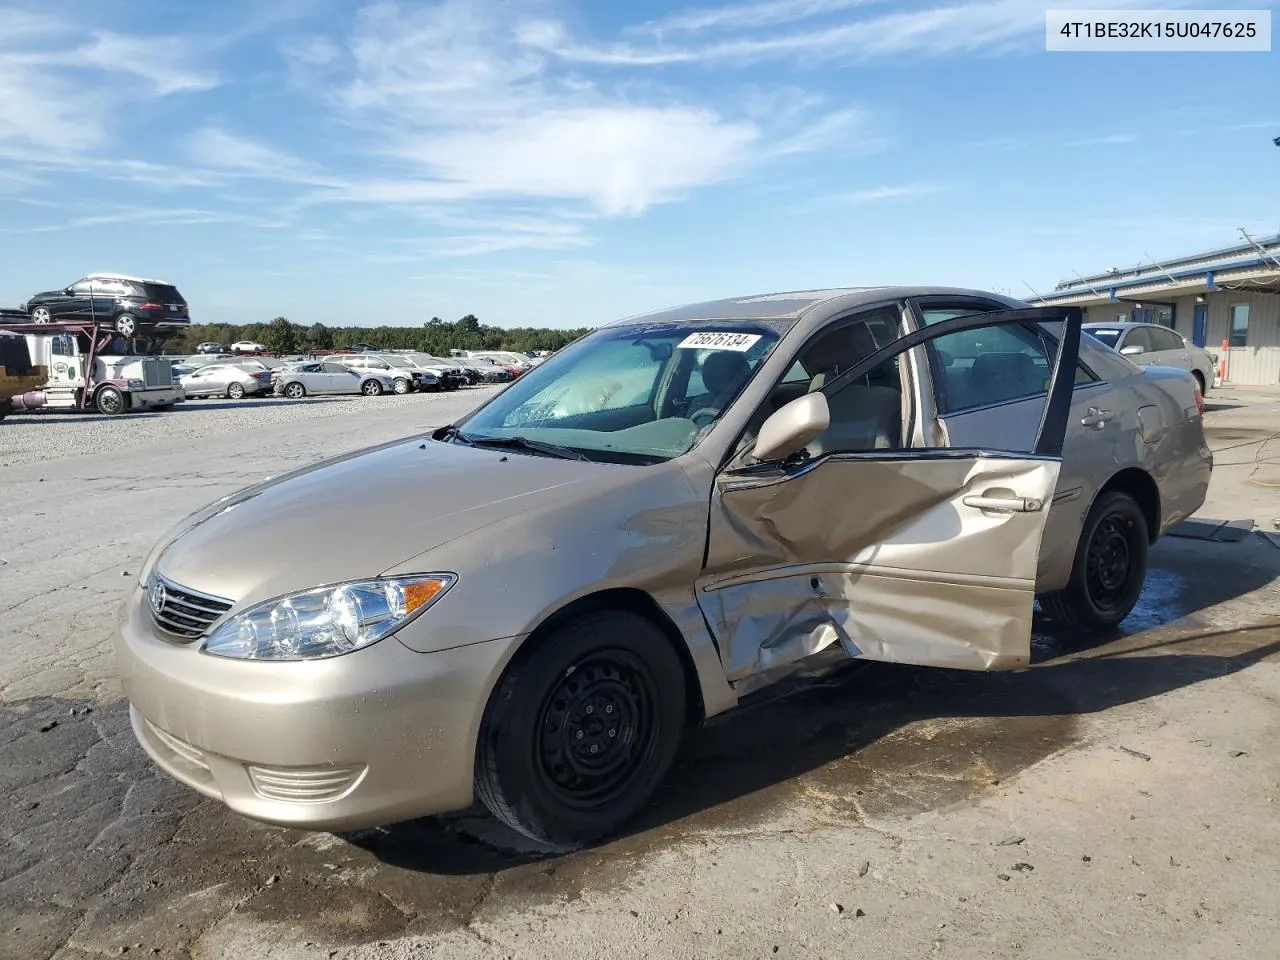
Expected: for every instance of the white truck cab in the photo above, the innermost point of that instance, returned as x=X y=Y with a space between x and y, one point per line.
x=102 y=375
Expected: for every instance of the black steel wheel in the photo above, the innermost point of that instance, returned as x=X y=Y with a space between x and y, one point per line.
x=1110 y=566
x=109 y=402
x=580 y=732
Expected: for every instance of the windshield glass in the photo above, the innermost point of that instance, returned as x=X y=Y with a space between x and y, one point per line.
x=1109 y=337
x=642 y=393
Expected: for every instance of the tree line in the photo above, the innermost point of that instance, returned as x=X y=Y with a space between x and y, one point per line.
x=436 y=336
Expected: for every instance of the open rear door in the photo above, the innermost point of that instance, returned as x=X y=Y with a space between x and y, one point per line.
x=923 y=556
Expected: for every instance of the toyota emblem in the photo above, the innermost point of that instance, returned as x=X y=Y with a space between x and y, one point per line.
x=156 y=597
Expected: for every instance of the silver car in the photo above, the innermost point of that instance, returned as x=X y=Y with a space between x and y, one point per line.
x=532 y=605
x=227 y=380
x=298 y=380
x=1149 y=344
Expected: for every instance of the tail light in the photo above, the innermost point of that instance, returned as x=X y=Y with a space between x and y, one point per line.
x=151 y=306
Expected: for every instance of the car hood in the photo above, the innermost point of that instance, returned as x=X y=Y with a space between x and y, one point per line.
x=359 y=516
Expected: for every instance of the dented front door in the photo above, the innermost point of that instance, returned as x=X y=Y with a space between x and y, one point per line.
x=923 y=556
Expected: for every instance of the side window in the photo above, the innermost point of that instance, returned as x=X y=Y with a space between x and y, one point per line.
x=989 y=365
x=81 y=287
x=867 y=413
x=1162 y=339
x=61 y=346
x=1139 y=337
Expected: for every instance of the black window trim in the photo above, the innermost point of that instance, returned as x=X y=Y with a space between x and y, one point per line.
x=945 y=301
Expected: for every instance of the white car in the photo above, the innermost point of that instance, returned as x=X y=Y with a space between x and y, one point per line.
x=406 y=375
x=321 y=377
x=248 y=346
x=227 y=380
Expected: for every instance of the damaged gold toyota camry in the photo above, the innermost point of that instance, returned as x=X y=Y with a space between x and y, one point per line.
x=534 y=604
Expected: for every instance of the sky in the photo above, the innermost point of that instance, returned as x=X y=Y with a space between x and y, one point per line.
x=566 y=162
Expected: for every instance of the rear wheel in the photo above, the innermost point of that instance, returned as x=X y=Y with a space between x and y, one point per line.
x=1199 y=380
x=1110 y=566
x=235 y=391
x=578 y=735
x=371 y=388
x=126 y=325
x=109 y=402
x=295 y=391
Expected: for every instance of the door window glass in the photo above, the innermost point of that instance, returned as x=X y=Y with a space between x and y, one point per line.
x=80 y=287
x=1162 y=339
x=989 y=365
x=1139 y=337
x=1239 y=325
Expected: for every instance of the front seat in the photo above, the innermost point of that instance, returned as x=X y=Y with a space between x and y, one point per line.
x=863 y=416
x=723 y=374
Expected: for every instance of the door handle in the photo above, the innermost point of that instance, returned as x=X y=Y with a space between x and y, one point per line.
x=1005 y=504
x=1097 y=418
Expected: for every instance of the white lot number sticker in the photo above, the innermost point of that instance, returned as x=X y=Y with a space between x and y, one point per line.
x=739 y=342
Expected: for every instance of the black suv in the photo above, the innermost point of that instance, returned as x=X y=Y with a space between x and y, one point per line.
x=132 y=305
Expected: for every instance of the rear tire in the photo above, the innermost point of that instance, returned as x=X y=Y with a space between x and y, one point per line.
x=578 y=735
x=371 y=388
x=295 y=391
x=126 y=325
x=109 y=402
x=235 y=391
x=1200 y=380
x=1110 y=566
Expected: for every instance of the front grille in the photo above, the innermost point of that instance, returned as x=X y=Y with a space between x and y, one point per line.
x=180 y=611
x=157 y=372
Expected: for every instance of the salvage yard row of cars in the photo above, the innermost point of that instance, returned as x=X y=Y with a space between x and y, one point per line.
x=674 y=511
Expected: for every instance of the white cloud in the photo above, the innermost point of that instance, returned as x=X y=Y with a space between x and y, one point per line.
x=887 y=193
x=1109 y=140
x=745 y=15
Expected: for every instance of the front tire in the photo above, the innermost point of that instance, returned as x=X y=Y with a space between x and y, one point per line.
x=41 y=315
x=1110 y=566
x=1199 y=378
x=578 y=735
x=403 y=386
x=235 y=392
x=371 y=388
x=109 y=402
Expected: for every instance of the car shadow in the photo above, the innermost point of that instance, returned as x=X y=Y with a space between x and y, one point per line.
x=847 y=735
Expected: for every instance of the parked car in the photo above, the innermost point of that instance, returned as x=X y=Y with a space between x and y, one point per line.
x=210 y=347
x=491 y=371
x=797 y=479
x=451 y=375
x=505 y=358
x=405 y=375
x=1150 y=344
x=227 y=380
x=318 y=377
x=248 y=346
x=130 y=305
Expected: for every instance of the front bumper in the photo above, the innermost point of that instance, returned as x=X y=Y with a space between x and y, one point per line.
x=373 y=737
x=156 y=396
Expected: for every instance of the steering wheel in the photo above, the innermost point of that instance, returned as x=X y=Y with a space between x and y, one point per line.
x=708 y=413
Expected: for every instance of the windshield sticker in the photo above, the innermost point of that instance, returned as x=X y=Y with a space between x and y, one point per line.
x=739 y=342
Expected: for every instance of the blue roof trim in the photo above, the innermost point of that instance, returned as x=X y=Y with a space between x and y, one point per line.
x=1208 y=272
x=1207 y=255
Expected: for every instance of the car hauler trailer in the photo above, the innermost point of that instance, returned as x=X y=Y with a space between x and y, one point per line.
x=87 y=366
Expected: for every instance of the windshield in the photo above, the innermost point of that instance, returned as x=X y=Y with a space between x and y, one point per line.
x=1109 y=337
x=642 y=393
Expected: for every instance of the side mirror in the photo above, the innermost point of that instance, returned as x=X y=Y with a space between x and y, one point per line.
x=1131 y=351
x=790 y=429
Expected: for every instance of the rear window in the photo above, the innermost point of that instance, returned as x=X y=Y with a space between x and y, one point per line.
x=1109 y=337
x=162 y=292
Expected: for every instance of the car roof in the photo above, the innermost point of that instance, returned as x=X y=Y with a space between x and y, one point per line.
x=794 y=303
x=125 y=276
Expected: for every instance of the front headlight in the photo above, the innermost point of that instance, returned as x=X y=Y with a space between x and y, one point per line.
x=136 y=384
x=327 y=621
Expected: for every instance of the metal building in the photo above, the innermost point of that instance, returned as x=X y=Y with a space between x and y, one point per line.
x=1231 y=294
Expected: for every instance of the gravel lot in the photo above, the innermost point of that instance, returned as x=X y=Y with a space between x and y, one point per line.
x=1116 y=800
x=48 y=435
